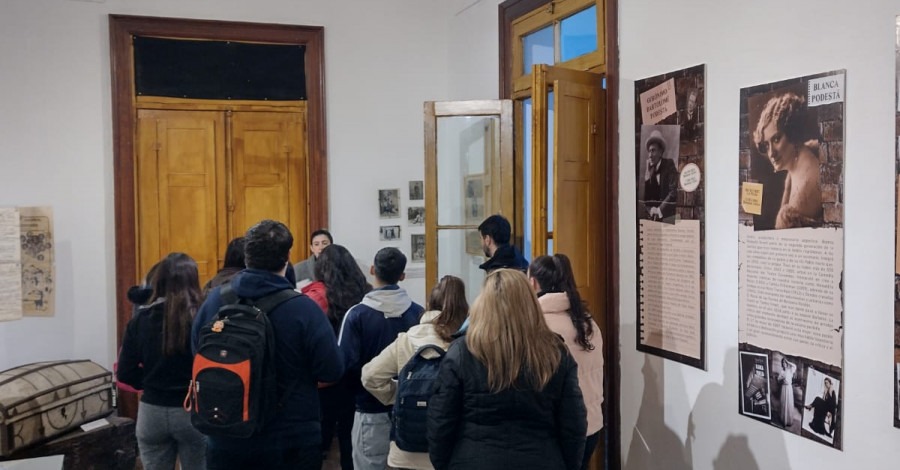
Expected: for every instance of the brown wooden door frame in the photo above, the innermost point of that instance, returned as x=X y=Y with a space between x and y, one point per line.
x=121 y=30
x=508 y=11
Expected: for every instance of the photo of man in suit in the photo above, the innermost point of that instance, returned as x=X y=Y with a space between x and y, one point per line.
x=659 y=180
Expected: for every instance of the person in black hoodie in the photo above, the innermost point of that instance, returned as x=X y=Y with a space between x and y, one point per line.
x=495 y=234
x=305 y=353
x=156 y=357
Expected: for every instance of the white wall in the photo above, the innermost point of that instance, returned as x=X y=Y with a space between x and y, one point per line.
x=688 y=418
x=55 y=130
x=382 y=60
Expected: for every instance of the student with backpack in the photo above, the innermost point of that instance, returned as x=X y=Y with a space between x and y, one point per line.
x=366 y=330
x=284 y=430
x=409 y=393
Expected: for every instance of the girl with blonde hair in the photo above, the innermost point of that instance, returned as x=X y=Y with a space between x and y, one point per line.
x=507 y=394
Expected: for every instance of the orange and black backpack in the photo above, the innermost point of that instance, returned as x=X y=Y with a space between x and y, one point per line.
x=233 y=390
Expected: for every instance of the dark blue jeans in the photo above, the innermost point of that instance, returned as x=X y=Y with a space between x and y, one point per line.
x=271 y=453
x=589 y=446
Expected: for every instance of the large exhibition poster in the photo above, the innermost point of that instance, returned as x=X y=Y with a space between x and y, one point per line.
x=791 y=255
x=669 y=177
x=896 y=361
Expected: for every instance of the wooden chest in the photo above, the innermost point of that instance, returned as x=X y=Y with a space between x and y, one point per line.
x=40 y=401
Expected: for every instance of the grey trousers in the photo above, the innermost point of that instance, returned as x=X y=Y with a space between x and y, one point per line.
x=164 y=433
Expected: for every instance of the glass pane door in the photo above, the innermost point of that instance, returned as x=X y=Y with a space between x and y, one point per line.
x=468 y=161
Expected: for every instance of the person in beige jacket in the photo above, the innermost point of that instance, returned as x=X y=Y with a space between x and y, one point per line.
x=552 y=278
x=447 y=309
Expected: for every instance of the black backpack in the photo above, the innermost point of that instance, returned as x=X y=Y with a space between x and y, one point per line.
x=233 y=391
x=415 y=385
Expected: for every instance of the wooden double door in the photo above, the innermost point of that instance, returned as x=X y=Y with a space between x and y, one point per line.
x=206 y=176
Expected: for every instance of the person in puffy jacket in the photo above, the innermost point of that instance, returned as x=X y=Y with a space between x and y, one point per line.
x=553 y=280
x=507 y=393
x=447 y=308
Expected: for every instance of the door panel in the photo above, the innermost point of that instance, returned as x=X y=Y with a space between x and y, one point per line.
x=578 y=169
x=269 y=182
x=178 y=155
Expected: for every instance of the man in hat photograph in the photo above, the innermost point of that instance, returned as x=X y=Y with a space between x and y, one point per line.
x=660 y=176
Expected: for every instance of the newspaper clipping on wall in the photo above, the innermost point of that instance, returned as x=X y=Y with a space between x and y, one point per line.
x=669 y=167
x=791 y=255
x=10 y=265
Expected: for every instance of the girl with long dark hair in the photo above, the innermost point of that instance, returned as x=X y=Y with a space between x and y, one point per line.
x=345 y=286
x=566 y=314
x=156 y=357
x=447 y=309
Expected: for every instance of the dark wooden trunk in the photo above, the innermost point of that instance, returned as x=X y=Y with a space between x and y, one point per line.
x=111 y=447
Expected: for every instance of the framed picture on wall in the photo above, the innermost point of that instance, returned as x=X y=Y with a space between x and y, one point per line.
x=473 y=243
x=474 y=199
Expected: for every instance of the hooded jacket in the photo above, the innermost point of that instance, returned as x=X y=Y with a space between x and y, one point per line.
x=590 y=363
x=506 y=256
x=368 y=328
x=305 y=354
x=378 y=377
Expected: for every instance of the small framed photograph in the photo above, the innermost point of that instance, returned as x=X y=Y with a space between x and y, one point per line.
x=389 y=233
x=474 y=245
x=416 y=191
x=417 y=248
x=416 y=215
x=755 y=385
x=389 y=203
x=821 y=405
x=474 y=199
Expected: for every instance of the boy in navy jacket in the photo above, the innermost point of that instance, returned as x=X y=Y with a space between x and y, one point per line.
x=369 y=327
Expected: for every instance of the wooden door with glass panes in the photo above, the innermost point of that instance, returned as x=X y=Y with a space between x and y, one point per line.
x=468 y=176
x=578 y=169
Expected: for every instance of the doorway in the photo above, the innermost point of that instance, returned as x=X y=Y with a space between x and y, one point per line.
x=302 y=164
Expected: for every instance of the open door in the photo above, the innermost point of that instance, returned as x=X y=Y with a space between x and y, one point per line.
x=568 y=167
x=570 y=200
x=468 y=176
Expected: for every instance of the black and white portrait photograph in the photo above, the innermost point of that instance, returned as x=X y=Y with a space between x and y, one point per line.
x=756 y=400
x=416 y=191
x=821 y=405
x=689 y=115
x=417 y=248
x=416 y=215
x=796 y=154
x=389 y=203
x=389 y=232
x=897 y=388
x=658 y=178
x=787 y=393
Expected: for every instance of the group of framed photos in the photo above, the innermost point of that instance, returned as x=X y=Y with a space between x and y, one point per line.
x=389 y=203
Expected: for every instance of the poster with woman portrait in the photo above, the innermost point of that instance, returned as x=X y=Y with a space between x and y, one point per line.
x=791 y=239
x=669 y=190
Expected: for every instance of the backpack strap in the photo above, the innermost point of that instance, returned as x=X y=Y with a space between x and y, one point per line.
x=431 y=347
x=228 y=295
x=269 y=302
